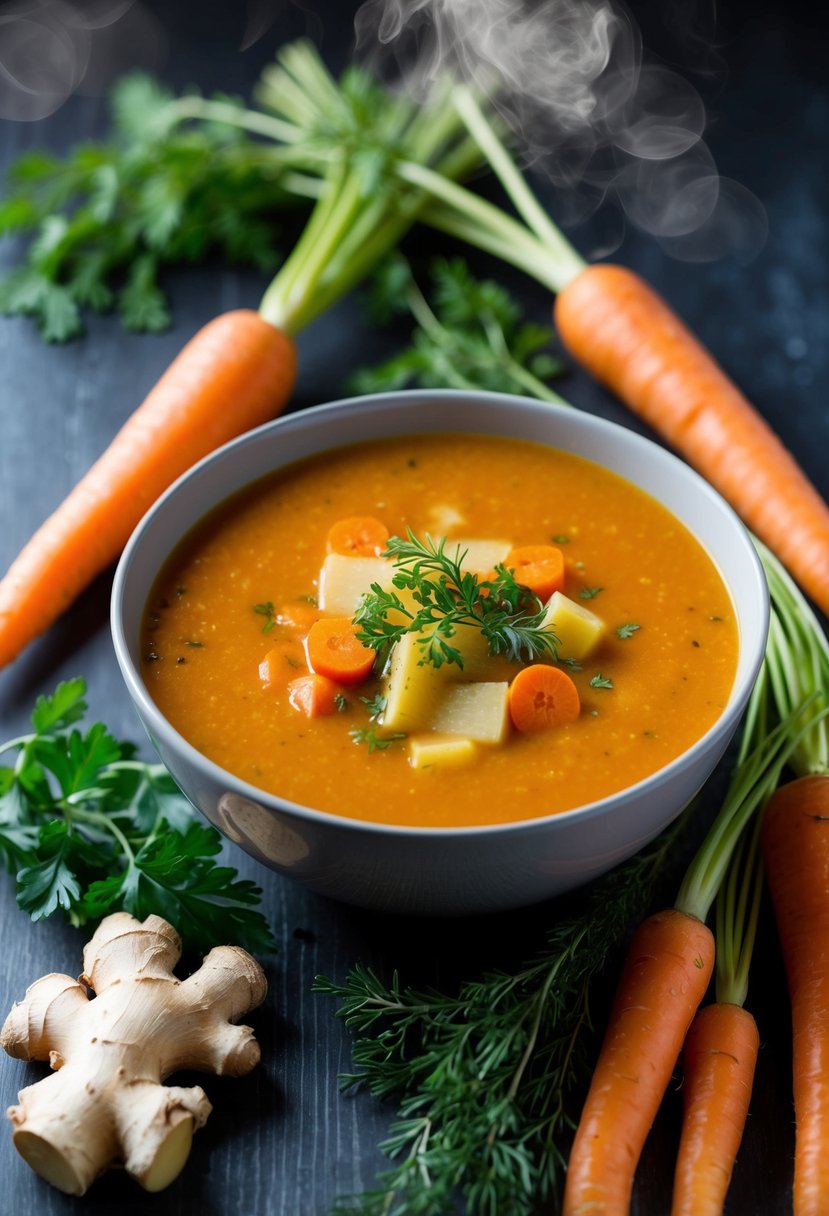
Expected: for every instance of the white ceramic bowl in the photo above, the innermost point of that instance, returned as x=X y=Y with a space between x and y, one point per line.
x=449 y=870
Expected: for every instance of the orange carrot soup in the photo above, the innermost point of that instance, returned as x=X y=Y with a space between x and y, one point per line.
x=441 y=630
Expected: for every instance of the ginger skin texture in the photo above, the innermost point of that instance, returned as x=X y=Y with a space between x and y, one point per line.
x=105 y=1102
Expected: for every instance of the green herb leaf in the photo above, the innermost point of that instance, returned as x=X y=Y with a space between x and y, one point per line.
x=628 y=630
x=509 y=616
x=175 y=871
x=87 y=829
x=590 y=593
x=66 y=705
x=374 y=741
x=600 y=681
x=141 y=303
x=488 y=1080
x=51 y=883
x=375 y=705
x=103 y=220
x=267 y=610
x=472 y=334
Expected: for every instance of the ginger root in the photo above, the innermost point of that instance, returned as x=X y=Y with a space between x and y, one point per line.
x=105 y=1101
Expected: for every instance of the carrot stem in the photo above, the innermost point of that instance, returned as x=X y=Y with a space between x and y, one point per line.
x=513 y=181
x=791 y=688
x=752 y=784
x=737 y=914
x=206 y=110
x=481 y=223
x=421 y=311
x=797 y=660
x=357 y=219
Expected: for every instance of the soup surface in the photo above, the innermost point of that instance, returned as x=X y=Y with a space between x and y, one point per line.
x=242 y=586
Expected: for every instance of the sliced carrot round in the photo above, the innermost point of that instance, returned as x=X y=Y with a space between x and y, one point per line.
x=539 y=567
x=334 y=650
x=542 y=697
x=284 y=659
x=358 y=536
x=298 y=616
x=314 y=695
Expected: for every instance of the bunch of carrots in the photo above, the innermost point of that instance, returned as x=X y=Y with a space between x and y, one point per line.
x=657 y=1011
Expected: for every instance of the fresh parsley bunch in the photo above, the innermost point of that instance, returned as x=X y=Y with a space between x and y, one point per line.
x=471 y=335
x=105 y=219
x=88 y=829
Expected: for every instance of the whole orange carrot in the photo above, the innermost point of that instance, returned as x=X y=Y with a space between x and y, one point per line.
x=617 y=327
x=720 y=1052
x=236 y=373
x=239 y=370
x=664 y=978
x=622 y=332
x=719 y=1057
x=796 y=857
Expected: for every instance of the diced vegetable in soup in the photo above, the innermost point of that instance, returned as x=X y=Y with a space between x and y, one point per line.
x=441 y=630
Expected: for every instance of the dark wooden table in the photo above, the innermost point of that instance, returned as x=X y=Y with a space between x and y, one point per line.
x=283 y=1142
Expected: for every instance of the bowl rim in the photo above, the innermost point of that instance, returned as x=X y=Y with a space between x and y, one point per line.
x=148 y=711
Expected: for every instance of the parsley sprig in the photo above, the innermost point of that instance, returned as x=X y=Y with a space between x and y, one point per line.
x=88 y=829
x=105 y=220
x=446 y=596
x=470 y=336
x=374 y=741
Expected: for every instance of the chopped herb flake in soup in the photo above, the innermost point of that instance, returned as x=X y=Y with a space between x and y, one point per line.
x=441 y=630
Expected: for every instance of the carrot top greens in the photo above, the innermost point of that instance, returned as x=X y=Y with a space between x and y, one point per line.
x=485 y=1079
x=470 y=334
x=445 y=597
x=183 y=178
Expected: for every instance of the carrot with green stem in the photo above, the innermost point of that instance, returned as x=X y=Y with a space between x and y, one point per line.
x=627 y=336
x=238 y=372
x=796 y=857
x=671 y=956
x=796 y=852
x=665 y=976
x=720 y=1051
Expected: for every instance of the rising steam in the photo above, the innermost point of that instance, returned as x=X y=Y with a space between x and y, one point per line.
x=591 y=111
x=50 y=49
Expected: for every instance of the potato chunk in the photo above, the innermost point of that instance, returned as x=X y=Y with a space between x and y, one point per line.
x=440 y=751
x=412 y=690
x=475 y=711
x=577 y=629
x=345 y=579
x=481 y=556
x=444 y=517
